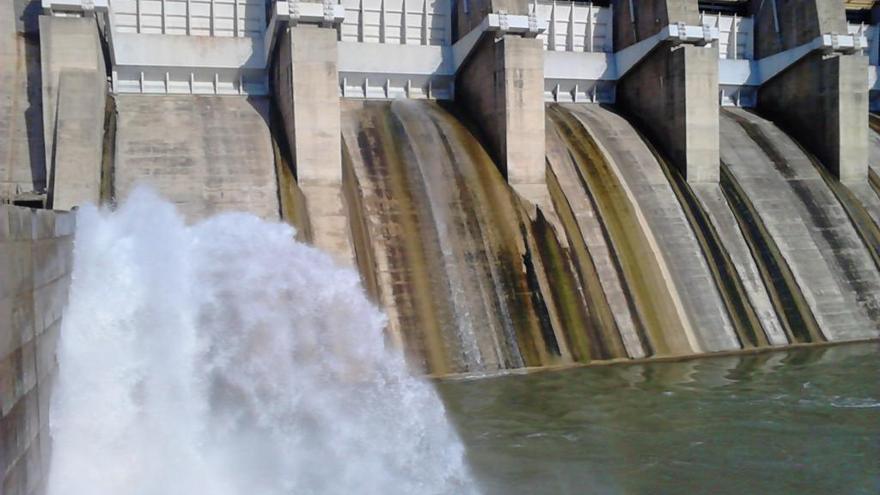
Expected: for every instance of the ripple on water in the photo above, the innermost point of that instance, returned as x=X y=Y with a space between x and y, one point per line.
x=802 y=421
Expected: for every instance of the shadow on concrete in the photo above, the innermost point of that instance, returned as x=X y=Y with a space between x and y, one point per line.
x=27 y=27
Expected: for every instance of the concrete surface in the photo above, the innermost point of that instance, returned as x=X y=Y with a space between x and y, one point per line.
x=821 y=100
x=716 y=207
x=502 y=88
x=22 y=160
x=673 y=95
x=822 y=248
x=207 y=154
x=635 y=21
x=36 y=256
x=584 y=225
x=664 y=218
x=673 y=92
x=74 y=100
x=307 y=96
x=798 y=21
x=468 y=15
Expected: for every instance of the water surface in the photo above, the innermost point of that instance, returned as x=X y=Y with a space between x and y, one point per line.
x=804 y=421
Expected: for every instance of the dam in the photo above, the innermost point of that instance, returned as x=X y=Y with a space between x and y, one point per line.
x=518 y=184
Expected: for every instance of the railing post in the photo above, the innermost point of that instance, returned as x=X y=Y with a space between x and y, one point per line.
x=590 y=27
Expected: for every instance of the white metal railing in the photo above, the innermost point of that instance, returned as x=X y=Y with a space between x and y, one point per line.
x=400 y=22
x=575 y=26
x=220 y=18
x=735 y=41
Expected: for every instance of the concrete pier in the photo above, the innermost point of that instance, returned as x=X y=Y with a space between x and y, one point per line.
x=673 y=91
x=501 y=85
x=821 y=99
x=307 y=95
x=74 y=79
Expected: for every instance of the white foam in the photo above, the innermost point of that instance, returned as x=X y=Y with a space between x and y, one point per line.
x=226 y=358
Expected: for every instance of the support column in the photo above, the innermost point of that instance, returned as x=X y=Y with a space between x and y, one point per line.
x=74 y=79
x=502 y=86
x=673 y=91
x=307 y=94
x=822 y=99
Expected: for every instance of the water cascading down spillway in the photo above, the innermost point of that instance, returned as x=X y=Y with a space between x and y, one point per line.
x=470 y=282
x=628 y=261
x=205 y=348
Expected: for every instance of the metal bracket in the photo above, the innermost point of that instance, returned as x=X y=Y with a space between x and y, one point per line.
x=329 y=13
x=293 y=11
x=841 y=43
x=708 y=36
x=503 y=24
x=769 y=67
x=533 y=25
x=682 y=31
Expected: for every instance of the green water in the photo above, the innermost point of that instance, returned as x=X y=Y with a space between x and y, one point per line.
x=803 y=422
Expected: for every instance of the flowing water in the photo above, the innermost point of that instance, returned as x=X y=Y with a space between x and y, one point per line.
x=803 y=421
x=226 y=358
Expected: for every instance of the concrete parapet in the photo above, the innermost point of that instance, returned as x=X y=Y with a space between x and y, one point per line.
x=74 y=97
x=673 y=91
x=36 y=258
x=821 y=99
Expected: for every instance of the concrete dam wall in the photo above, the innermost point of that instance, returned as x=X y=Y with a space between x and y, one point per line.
x=36 y=258
x=518 y=184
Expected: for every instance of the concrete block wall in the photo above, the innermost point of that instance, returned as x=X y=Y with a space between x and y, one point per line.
x=36 y=256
